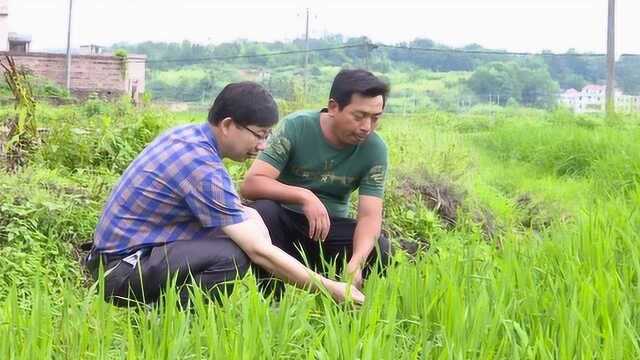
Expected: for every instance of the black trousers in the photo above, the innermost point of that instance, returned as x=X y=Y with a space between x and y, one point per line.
x=211 y=263
x=289 y=231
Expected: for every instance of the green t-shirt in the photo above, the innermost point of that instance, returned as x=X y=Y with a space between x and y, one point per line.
x=305 y=159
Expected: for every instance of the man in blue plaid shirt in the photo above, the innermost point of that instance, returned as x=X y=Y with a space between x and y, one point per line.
x=175 y=213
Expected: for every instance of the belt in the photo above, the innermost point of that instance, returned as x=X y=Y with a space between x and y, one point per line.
x=131 y=259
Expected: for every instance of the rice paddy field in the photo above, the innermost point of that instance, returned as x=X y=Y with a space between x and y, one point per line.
x=517 y=233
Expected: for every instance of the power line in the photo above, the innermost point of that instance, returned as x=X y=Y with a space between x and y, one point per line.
x=249 y=56
x=373 y=47
x=493 y=52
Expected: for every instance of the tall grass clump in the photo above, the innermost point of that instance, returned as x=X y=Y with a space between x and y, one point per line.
x=609 y=155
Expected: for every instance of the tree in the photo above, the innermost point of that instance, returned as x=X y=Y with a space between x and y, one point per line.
x=357 y=55
x=527 y=82
x=254 y=50
x=496 y=81
x=628 y=74
x=538 y=89
x=227 y=50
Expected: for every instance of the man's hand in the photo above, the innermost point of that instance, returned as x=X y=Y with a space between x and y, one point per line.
x=317 y=216
x=341 y=292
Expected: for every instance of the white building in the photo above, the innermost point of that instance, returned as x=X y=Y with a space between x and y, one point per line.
x=4 y=25
x=9 y=41
x=592 y=98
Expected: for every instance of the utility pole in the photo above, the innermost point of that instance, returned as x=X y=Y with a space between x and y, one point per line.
x=366 y=55
x=306 y=59
x=68 y=67
x=368 y=46
x=611 y=59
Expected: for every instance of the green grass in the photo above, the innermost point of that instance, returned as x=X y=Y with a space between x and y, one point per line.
x=560 y=278
x=573 y=295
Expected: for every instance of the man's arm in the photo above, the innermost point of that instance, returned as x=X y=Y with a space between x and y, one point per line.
x=261 y=183
x=367 y=232
x=253 y=238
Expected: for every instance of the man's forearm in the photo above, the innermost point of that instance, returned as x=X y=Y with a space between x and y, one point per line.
x=285 y=267
x=289 y=269
x=262 y=187
x=253 y=237
x=364 y=239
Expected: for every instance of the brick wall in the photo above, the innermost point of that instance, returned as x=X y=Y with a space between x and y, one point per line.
x=105 y=75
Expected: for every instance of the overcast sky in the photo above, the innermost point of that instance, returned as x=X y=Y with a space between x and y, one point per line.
x=515 y=25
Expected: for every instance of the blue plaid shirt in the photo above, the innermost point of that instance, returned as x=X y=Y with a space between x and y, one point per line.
x=176 y=189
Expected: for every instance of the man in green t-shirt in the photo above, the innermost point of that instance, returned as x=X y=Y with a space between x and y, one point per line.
x=304 y=178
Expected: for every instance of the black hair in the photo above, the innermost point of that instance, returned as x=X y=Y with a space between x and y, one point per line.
x=246 y=103
x=357 y=81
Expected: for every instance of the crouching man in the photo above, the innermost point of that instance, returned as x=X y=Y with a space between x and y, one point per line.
x=303 y=180
x=175 y=212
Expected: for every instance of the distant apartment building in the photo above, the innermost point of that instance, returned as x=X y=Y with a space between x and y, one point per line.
x=592 y=98
x=92 y=70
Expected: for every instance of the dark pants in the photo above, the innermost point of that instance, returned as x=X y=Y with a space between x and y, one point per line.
x=289 y=231
x=211 y=263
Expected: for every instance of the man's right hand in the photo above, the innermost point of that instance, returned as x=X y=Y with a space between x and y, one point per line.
x=340 y=292
x=317 y=216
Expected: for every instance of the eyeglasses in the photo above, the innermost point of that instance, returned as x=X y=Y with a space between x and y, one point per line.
x=258 y=136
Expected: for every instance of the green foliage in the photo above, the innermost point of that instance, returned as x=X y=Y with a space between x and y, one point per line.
x=110 y=138
x=47 y=89
x=411 y=220
x=572 y=146
x=43 y=89
x=628 y=74
x=43 y=217
x=529 y=84
x=575 y=71
x=22 y=137
x=121 y=53
x=474 y=123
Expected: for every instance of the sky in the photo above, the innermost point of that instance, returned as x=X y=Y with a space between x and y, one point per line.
x=513 y=25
